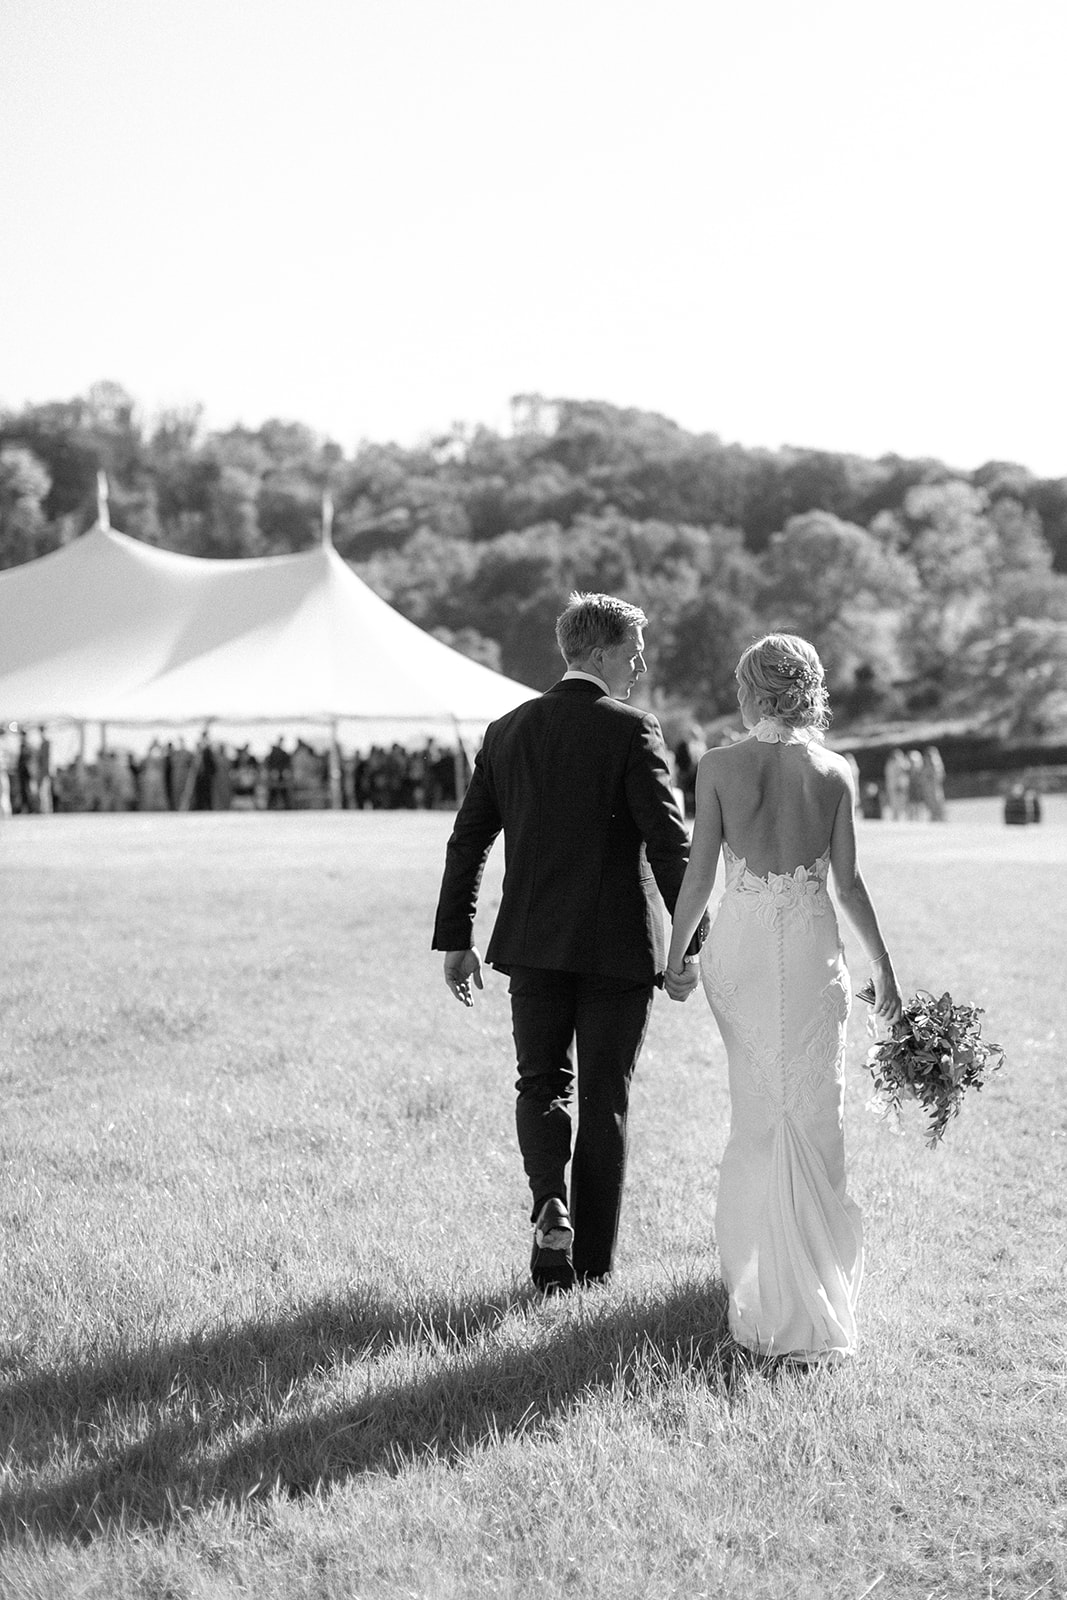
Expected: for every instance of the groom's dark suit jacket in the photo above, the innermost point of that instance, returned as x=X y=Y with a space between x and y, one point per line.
x=579 y=783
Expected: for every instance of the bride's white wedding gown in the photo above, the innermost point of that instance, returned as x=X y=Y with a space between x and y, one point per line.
x=790 y=1239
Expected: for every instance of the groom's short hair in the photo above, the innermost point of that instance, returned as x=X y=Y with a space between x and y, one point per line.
x=592 y=620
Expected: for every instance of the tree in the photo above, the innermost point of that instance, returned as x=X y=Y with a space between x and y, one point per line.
x=700 y=643
x=1016 y=679
x=57 y=436
x=427 y=580
x=1020 y=542
x=24 y=486
x=839 y=587
x=469 y=642
x=1049 y=500
x=514 y=597
x=953 y=547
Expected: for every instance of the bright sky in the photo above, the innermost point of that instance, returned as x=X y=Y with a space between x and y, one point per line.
x=840 y=224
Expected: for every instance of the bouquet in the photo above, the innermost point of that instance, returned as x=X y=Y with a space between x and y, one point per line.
x=931 y=1054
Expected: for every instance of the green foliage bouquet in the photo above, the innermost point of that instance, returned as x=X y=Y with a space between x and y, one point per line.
x=932 y=1054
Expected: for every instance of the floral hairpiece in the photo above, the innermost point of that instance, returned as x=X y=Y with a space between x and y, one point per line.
x=803 y=675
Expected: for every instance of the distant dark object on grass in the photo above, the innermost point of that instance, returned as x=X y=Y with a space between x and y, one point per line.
x=1021 y=805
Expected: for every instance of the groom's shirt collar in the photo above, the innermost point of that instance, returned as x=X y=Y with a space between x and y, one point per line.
x=584 y=677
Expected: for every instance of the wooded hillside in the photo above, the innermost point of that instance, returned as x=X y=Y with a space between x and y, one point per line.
x=927 y=591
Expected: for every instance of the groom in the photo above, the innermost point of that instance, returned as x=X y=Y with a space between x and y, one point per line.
x=579 y=783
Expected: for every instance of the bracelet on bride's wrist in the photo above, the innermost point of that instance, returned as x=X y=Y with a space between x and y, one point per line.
x=876 y=960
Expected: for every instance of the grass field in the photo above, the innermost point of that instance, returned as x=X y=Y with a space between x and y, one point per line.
x=264 y=1327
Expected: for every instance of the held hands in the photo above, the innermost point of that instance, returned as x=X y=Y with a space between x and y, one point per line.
x=680 y=982
x=461 y=966
x=680 y=985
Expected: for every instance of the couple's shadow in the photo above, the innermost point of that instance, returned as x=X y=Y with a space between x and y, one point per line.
x=489 y=1368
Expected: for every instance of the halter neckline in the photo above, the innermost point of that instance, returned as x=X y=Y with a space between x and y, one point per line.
x=772 y=730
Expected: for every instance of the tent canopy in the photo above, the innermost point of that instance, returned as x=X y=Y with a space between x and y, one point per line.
x=111 y=630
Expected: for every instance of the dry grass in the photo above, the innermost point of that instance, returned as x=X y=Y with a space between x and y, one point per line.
x=265 y=1328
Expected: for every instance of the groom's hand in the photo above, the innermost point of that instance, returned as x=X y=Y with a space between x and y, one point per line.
x=681 y=985
x=461 y=966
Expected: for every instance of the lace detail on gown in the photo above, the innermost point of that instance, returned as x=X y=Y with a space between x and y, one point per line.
x=789 y=1237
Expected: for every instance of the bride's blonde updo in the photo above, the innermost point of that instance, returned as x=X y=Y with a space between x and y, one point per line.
x=786 y=678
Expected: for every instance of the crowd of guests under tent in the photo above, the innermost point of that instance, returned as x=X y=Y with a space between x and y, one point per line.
x=294 y=775
x=211 y=776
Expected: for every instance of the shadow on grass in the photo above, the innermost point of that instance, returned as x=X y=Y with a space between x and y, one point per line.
x=218 y=1418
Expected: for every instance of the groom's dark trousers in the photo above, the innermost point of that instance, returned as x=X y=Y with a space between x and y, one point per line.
x=556 y=1016
x=580 y=786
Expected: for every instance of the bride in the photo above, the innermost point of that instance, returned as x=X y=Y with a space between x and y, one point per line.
x=780 y=807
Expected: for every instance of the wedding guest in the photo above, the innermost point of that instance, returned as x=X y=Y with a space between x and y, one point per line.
x=279 y=767
x=117 y=787
x=687 y=753
x=871 y=802
x=43 y=758
x=361 y=785
x=204 y=777
x=179 y=769
x=244 y=777
x=897 y=780
x=916 y=802
x=933 y=783
x=445 y=778
x=310 y=777
x=24 y=795
x=69 y=788
x=152 y=784
x=221 y=784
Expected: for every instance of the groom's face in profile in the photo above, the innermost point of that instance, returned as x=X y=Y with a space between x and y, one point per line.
x=620 y=665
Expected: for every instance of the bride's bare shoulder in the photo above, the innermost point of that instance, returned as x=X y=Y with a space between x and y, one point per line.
x=831 y=763
x=727 y=766
x=723 y=755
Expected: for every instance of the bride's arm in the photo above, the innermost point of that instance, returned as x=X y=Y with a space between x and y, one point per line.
x=699 y=878
x=855 y=902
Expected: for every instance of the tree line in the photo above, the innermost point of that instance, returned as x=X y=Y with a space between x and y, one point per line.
x=927 y=591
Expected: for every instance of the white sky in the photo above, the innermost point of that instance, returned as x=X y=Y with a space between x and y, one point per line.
x=840 y=224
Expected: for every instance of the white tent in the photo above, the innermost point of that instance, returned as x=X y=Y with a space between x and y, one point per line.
x=112 y=631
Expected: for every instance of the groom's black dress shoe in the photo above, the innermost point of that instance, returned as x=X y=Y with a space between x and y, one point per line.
x=551 y=1266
